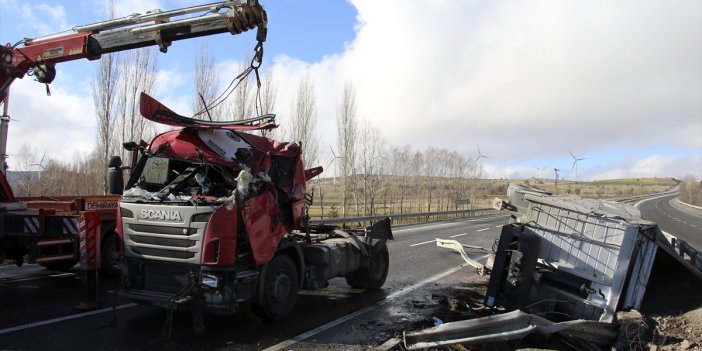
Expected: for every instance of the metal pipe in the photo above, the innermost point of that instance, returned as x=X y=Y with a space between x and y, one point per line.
x=179 y=23
x=157 y=14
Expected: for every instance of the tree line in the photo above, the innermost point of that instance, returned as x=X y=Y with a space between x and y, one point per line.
x=371 y=173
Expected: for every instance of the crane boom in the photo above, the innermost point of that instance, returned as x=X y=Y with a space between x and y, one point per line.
x=38 y=57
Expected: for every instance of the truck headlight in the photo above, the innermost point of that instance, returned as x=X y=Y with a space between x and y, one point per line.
x=209 y=280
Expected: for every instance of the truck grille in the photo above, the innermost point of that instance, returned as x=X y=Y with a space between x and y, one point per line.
x=164 y=240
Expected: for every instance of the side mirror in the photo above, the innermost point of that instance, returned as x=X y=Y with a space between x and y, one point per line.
x=115 y=179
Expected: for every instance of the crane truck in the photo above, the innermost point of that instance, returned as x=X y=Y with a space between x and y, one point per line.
x=45 y=229
x=215 y=217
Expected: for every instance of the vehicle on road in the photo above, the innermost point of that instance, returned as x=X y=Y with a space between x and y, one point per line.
x=214 y=216
x=42 y=229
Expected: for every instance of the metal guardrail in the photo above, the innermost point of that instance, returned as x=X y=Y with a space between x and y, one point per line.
x=406 y=217
x=684 y=249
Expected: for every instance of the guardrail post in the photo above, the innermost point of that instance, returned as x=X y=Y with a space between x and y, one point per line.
x=89 y=236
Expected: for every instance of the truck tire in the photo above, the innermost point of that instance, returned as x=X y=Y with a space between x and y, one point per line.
x=373 y=276
x=279 y=291
x=109 y=254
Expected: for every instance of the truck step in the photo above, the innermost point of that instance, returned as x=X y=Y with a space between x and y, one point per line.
x=54 y=258
x=65 y=241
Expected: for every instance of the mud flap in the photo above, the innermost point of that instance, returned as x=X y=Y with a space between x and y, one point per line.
x=381 y=230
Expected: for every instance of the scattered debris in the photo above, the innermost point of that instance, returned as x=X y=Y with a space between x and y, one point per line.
x=578 y=269
x=502 y=327
x=455 y=245
x=572 y=257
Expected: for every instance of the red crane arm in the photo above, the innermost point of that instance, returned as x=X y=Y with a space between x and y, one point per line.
x=38 y=57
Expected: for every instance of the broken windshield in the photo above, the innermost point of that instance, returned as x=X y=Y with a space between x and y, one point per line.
x=160 y=178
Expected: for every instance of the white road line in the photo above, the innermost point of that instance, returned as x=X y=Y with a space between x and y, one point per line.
x=315 y=331
x=482 y=230
x=61 y=319
x=499 y=226
x=457 y=235
x=426 y=242
x=445 y=224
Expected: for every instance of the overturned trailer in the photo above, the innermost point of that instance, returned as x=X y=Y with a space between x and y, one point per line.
x=572 y=257
x=564 y=265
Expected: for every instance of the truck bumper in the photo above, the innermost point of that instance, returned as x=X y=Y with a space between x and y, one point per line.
x=186 y=287
x=213 y=302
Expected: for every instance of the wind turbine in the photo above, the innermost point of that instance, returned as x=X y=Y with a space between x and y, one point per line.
x=541 y=170
x=480 y=156
x=333 y=160
x=575 y=165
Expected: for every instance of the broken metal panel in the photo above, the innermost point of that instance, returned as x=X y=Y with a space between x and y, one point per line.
x=504 y=327
x=585 y=244
x=641 y=267
x=455 y=245
x=593 y=256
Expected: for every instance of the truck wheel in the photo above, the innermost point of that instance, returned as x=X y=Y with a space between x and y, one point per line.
x=373 y=276
x=109 y=254
x=279 y=289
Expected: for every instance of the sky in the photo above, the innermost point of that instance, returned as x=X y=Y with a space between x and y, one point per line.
x=618 y=83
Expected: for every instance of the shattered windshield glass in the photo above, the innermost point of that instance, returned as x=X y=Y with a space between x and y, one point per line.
x=164 y=179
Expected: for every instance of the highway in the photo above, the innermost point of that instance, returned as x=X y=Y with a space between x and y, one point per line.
x=38 y=311
x=674 y=218
x=38 y=305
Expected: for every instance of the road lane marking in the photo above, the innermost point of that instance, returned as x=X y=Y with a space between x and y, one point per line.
x=426 y=242
x=457 y=235
x=334 y=323
x=482 y=230
x=499 y=226
x=493 y=217
x=61 y=319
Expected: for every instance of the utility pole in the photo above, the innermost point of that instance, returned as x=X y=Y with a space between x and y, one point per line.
x=555 y=170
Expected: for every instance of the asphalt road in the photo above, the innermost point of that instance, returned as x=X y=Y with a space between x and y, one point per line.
x=674 y=218
x=38 y=306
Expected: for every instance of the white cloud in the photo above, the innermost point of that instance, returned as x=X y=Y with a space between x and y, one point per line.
x=61 y=125
x=527 y=81
x=524 y=80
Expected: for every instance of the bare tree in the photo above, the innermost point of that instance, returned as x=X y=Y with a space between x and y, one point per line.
x=27 y=169
x=241 y=102
x=266 y=98
x=138 y=69
x=303 y=125
x=371 y=161
x=691 y=191
x=268 y=94
x=347 y=130
x=104 y=87
x=417 y=163
x=400 y=167
x=206 y=79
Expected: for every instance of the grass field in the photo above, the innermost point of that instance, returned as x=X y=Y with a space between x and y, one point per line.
x=395 y=195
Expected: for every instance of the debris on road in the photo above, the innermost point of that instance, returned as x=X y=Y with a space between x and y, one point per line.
x=504 y=327
x=576 y=268
x=455 y=245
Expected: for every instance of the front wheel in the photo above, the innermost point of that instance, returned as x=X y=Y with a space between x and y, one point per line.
x=279 y=289
x=372 y=277
x=109 y=254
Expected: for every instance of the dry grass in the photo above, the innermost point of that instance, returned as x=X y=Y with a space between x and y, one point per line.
x=480 y=192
